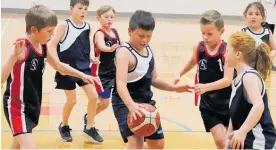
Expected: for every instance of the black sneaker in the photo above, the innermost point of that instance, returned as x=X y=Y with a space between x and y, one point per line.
x=65 y=133
x=93 y=134
x=85 y=119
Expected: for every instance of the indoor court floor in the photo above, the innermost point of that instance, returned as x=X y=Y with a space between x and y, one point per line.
x=172 y=44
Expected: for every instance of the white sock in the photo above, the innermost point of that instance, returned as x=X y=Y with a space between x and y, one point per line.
x=62 y=125
x=89 y=127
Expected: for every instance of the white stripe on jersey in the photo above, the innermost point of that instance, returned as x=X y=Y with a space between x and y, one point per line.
x=22 y=98
x=9 y=101
x=142 y=66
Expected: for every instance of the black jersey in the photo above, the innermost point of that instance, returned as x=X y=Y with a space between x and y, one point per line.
x=263 y=134
x=106 y=68
x=139 y=79
x=22 y=98
x=211 y=69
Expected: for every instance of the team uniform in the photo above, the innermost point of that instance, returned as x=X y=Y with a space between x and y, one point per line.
x=263 y=134
x=139 y=81
x=213 y=104
x=106 y=69
x=22 y=98
x=74 y=50
x=264 y=36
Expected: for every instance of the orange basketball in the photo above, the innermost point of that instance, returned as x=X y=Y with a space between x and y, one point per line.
x=147 y=124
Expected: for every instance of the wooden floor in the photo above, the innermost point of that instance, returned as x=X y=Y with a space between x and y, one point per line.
x=172 y=42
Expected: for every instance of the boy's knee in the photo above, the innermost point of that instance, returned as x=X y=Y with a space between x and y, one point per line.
x=104 y=104
x=159 y=146
x=220 y=142
x=135 y=144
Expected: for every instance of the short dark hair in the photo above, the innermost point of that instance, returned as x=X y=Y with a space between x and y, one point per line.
x=142 y=19
x=40 y=17
x=83 y=2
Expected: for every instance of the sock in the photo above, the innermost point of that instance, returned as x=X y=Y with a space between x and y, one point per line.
x=89 y=127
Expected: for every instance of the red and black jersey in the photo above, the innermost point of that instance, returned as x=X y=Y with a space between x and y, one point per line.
x=22 y=98
x=106 y=68
x=211 y=69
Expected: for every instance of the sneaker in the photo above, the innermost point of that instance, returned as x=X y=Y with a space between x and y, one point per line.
x=65 y=133
x=93 y=134
x=85 y=121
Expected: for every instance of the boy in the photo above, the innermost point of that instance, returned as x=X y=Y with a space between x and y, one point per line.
x=135 y=74
x=73 y=45
x=24 y=69
x=106 y=41
x=213 y=78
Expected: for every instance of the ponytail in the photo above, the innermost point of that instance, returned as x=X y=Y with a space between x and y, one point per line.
x=263 y=62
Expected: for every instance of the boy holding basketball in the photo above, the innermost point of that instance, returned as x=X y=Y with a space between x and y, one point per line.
x=213 y=78
x=135 y=74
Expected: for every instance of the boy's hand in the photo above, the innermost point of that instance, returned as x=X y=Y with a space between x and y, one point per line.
x=201 y=89
x=95 y=60
x=184 y=88
x=114 y=47
x=90 y=79
x=176 y=79
x=19 y=46
x=135 y=109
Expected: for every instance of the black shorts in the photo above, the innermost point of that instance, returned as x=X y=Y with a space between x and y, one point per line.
x=211 y=119
x=214 y=111
x=22 y=118
x=121 y=113
x=68 y=82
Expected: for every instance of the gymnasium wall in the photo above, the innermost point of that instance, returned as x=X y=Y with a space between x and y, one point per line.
x=229 y=8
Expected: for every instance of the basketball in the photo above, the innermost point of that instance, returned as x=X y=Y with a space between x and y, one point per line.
x=147 y=124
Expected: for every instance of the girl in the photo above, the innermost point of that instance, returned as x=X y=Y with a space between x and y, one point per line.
x=250 y=126
x=255 y=17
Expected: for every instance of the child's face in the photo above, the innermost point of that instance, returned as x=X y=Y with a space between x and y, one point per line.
x=140 y=38
x=79 y=11
x=44 y=34
x=211 y=34
x=231 y=56
x=254 y=17
x=106 y=19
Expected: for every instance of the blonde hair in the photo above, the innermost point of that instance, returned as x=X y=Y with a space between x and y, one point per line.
x=105 y=8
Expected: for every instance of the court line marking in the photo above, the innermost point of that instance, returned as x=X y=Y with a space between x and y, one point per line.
x=177 y=123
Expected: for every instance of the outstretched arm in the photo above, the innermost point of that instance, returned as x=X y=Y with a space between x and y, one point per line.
x=191 y=63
